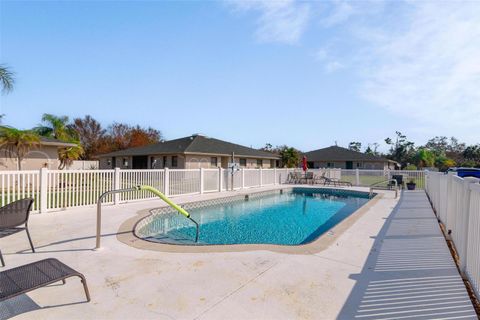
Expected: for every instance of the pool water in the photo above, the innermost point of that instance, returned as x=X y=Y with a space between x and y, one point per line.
x=291 y=218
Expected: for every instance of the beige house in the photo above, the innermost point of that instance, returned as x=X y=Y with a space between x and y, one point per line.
x=45 y=155
x=193 y=152
x=342 y=158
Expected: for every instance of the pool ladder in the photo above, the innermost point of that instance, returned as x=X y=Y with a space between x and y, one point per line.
x=140 y=188
x=374 y=186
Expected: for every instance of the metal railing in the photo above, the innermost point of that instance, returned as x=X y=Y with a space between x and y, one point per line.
x=139 y=188
x=377 y=186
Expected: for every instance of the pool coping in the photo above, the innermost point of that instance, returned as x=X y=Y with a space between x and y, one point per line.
x=126 y=235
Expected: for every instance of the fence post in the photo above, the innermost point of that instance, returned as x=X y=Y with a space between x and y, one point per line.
x=357 y=177
x=243 y=178
x=261 y=178
x=116 y=186
x=43 y=189
x=201 y=180
x=220 y=179
x=166 y=182
x=275 y=175
x=464 y=244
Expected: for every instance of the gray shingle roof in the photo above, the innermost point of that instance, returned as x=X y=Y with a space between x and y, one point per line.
x=193 y=144
x=340 y=154
x=55 y=142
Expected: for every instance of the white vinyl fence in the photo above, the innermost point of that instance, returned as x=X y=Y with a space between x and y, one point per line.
x=457 y=204
x=59 y=189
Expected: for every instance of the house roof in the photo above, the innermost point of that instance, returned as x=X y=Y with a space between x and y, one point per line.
x=336 y=153
x=195 y=144
x=45 y=141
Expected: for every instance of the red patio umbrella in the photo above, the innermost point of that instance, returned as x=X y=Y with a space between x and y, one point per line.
x=304 y=164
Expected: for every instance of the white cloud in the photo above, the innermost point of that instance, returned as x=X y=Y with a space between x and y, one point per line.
x=341 y=12
x=322 y=55
x=428 y=68
x=279 y=21
x=333 y=66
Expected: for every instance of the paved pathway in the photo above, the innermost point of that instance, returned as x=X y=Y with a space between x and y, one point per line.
x=409 y=273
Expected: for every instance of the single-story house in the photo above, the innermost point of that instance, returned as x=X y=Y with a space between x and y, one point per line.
x=44 y=155
x=193 y=152
x=338 y=157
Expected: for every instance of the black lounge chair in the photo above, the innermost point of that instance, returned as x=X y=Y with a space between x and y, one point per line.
x=329 y=181
x=26 y=278
x=12 y=216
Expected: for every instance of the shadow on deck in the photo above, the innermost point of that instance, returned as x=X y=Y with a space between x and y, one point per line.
x=410 y=273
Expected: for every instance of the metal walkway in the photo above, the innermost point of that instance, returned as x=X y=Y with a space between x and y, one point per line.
x=410 y=273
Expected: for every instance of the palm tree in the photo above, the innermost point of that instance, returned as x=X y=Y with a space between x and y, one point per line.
x=60 y=128
x=6 y=79
x=67 y=155
x=56 y=127
x=17 y=143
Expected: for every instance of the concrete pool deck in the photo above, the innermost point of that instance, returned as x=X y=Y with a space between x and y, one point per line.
x=391 y=263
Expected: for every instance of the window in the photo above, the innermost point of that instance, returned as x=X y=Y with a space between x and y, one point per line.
x=358 y=164
x=243 y=162
x=330 y=165
x=125 y=162
x=259 y=163
x=174 y=161
x=272 y=163
x=164 y=161
x=213 y=161
x=109 y=162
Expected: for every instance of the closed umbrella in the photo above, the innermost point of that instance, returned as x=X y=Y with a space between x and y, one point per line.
x=304 y=164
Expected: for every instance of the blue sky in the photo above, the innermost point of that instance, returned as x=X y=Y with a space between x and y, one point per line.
x=305 y=74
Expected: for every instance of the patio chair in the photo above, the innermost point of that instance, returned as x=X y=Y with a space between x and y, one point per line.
x=12 y=217
x=294 y=177
x=335 y=181
x=319 y=179
x=23 y=279
x=291 y=178
x=308 y=176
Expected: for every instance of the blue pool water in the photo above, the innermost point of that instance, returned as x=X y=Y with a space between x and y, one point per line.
x=292 y=218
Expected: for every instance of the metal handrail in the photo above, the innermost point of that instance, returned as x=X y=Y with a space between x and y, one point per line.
x=138 y=188
x=372 y=186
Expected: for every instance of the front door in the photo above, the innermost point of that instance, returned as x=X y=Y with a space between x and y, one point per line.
x=349 y=165
x=140 y=162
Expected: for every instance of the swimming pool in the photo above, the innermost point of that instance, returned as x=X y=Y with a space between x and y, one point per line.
x=288 y=217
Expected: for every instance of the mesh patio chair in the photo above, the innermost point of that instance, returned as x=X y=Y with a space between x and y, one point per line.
x=307 y=177
x=336 y=182
x=12 y=217
x=23 y=279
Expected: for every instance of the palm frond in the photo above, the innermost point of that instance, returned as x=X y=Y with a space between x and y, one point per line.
x=6 y=79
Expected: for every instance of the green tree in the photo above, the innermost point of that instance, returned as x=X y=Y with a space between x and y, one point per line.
x=56 y=127
x=443 y=163
x=425 y=158
x=60 y=128
x=268 y=147
x=69 y=154
x=472 y=153
x=401 y=150
x=290 y=156
x=17 y=143
x=6 y=79
x=355 y=146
